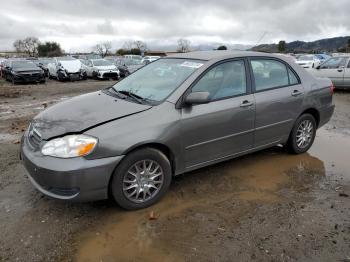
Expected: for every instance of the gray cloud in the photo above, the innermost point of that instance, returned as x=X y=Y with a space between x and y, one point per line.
x=82 y=24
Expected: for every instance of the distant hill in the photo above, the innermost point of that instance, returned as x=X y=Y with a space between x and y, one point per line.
x=323 y=45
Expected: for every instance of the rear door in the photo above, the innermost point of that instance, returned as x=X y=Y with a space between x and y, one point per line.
x=224 y=126
x=278 y=97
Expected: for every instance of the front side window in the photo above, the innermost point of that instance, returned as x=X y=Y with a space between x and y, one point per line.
x=334 y=63
x=156 y=81
x=224 y=80
x=269 y=74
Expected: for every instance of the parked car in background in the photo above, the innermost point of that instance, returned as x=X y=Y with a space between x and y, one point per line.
x=134 y=57
x=101 y=69
x=323 y=57
x=127 y=66
x=66 y=68
x=308 y=61
x=2 y=63
x=123 y=141
x=43 y=62
x=337 y=69
x=23 y=71
x=149 y=59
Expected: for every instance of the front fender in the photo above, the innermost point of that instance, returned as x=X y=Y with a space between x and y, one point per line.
x=158 y=125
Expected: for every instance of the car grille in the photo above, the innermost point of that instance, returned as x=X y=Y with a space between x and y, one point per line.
x=31 y=77
x=34 y=137
x=110 y=75
x=75 y=76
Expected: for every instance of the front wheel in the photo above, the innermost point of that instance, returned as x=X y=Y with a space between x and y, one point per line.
x=303 y=134
x=141 y=179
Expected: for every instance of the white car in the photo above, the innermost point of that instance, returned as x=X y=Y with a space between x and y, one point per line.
x=149 y=59
x=101 y=69
x=136 y=57
x=308 y=61
x=66 y=68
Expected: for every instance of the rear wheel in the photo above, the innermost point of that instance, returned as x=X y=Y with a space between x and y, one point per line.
x=303 y=134
x=141 y=179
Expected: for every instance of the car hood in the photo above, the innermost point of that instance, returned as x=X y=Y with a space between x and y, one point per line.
x=303 y=61
x=71 y=66
x=103 y=68
x=83 y=112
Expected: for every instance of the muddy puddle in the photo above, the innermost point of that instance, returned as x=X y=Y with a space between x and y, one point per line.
x=263 y=178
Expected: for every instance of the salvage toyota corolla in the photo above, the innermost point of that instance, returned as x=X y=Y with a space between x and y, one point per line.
x=174 y=115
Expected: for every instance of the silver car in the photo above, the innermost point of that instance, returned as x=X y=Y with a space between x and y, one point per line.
x=337 y=69
x=172 y=116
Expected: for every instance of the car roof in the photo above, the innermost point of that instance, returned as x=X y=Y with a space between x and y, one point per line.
x=219 y=54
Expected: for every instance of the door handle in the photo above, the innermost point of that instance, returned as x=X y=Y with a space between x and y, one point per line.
x=296 y=93
x=246 y=103
x=340 y=70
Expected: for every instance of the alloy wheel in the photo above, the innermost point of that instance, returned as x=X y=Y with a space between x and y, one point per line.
x=304 y=134
x=143 y=181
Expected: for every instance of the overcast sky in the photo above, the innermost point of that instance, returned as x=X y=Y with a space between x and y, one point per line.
x=81 y=24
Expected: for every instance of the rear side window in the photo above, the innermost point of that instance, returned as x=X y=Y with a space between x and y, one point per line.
x=269 y=74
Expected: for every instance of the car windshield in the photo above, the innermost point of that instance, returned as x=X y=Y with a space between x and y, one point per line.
x=102 y=62
x=159 y=79
x=306 y=58
x=23 y=64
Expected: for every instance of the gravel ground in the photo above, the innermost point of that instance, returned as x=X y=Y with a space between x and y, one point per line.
x=267 y=206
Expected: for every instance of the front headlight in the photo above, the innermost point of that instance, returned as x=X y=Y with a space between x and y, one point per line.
x=69 y=146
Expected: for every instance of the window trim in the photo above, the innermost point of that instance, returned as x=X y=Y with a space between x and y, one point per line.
x=180 y=102
x=250 y=58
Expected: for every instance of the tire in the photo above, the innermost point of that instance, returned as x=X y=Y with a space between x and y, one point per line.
x=13 y=80
x=59 y=78
x=300 y=139
x=119 y=184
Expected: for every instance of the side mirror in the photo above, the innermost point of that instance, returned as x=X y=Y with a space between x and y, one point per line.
x=197 y=98
x=318 y=67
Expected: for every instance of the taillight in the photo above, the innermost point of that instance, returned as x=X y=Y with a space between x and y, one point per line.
x=332 y=88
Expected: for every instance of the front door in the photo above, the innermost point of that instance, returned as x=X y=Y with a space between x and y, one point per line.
x=347 y=75
x=334 y=69
x=225 y=125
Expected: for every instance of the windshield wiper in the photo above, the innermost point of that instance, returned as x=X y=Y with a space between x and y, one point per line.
x=114 y=92
x=137 y=98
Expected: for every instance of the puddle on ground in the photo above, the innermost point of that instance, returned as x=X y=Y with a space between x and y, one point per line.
x=257 y=178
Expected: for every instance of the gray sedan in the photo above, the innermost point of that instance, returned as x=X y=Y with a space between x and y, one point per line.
x=172 y=116
x=337 y=69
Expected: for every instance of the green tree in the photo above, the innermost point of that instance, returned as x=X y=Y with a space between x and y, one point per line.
x=222 y=47
x=135 y=51
x=121 y=52
x=348 y=47
x=282 y=46
x=50 y=49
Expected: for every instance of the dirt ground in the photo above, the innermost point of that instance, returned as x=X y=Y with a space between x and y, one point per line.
x=267 y=206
